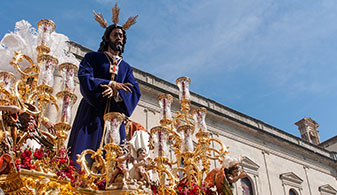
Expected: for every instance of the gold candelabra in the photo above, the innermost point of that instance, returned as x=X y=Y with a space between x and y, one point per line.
x=190 y=163
x=33 y=93
x=66 y=99
x=100 y=165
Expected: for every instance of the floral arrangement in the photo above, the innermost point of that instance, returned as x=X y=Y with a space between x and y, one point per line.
x=184 y=188
x=65 y=166
x=65 y=169
x=28 y=157
x=34 y=160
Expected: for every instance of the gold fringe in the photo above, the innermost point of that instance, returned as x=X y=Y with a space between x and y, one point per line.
x=115 y=14
x=99 y=18
x=131 y=21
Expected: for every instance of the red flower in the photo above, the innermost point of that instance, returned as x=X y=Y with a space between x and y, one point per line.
x=26 y=163
x=17 y=162
x=26 y=154
x=63 y=161
x=31 y=166
x=38 y=155
x=69 y=175
x=27 y=160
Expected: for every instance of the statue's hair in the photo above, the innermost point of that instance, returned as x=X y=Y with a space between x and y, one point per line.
x=106 y=38
x=231 y=169
x=139 y=150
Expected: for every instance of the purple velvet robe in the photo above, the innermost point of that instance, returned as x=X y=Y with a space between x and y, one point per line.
x=88 y=124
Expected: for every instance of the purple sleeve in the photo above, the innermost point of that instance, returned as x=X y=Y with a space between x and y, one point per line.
x=89 y=85
x=130 y=99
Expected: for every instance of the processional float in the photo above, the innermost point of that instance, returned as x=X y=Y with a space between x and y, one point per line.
x=47 y=168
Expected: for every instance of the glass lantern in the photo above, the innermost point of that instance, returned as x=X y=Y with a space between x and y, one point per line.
x=45 y=28
x=187 y=131
x=183 y=83
x=199 y=116
x=68 y=71
x=112 y=122
x=65 y=100
x=47 y=65
x=160 y=136
x=7 y=80
x=165 y=101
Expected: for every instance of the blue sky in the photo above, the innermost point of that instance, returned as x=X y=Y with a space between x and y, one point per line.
x=272 y=60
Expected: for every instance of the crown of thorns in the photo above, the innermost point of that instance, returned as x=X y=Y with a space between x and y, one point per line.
x=115 y=18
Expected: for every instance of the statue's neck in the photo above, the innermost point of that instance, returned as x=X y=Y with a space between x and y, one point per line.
x=113 y=52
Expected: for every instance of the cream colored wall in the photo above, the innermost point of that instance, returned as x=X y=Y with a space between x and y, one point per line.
x=278 y=165
x=319 y=178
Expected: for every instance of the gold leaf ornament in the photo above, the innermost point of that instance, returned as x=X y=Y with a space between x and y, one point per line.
x=131 y=21
x=99 y=18
x=115 y=14
x=115 y=18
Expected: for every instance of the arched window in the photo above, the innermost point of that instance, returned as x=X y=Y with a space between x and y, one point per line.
x=246 y=186
x=292 y=192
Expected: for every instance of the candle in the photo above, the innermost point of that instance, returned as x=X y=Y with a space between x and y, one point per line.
x=68 y=73
x=165 y=101
x=187 y=131
x=160 y=136
x=199 y=116
x=45 y=28
x=183 y=85
x=113 y=121
x=7 y=80
x=188 y=143
x=47 y=65
x=66 y=110
x=66 y=100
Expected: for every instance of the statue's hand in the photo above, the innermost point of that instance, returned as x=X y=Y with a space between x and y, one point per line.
x=122 y=86
x=108 y=91
x=111 y=90
x=243 y=174
x=50 y=126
